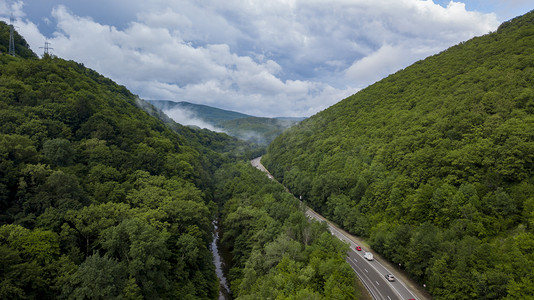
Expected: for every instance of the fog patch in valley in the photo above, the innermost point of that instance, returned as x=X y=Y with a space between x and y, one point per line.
x=189 y=118
x=251 y=136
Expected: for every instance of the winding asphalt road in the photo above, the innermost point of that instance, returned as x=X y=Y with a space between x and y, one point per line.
x=371 y=273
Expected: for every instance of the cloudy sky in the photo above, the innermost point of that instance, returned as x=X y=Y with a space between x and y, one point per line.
x=260 y=57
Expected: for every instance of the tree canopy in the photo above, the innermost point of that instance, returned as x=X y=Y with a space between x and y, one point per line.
x=98 y=199
x=434 y=164
x=277 y=252
x=102 y=196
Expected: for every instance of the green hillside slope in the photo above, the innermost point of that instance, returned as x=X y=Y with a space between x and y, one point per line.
x=98 y=199
x=277 y=252
x=434 y=164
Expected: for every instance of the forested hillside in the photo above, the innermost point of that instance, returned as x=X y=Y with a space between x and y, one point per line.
x=434 y=164
x=97 y=198
x=278 y=253
x=100 y=199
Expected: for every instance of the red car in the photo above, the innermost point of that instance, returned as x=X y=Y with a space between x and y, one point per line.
x=358 y=248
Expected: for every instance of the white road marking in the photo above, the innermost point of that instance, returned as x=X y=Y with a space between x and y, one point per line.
x=399 y=281
x=371 y=289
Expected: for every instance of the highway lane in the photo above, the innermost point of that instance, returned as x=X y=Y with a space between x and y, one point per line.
x=257 y=163
x=371 y=273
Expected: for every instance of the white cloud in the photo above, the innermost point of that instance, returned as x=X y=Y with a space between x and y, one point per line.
x=372 y=67
x=414 y=30
x=158 y=64
x=265 y=58
x=11 y=8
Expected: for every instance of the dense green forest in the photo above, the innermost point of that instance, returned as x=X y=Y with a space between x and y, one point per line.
x=97 y=198
x=102 y=196
x=434 y=164
x=278 y=253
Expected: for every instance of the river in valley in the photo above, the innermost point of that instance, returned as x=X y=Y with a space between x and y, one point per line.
x=224 y=289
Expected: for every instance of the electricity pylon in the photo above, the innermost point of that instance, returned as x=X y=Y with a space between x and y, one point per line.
x=11 y=36
x=46 y=48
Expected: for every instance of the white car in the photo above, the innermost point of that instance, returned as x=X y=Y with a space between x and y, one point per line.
x=389 y=277
x=368 y=255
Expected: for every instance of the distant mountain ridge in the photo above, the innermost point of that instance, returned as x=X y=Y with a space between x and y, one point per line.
x=208 y=113
x=246 y=127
